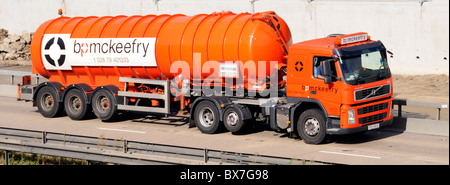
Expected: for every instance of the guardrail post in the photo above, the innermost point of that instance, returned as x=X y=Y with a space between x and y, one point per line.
x=44 y=137
x=205 y=155
x=438 y=113
x=125 y=146
x=399 y=103
x=6 y=157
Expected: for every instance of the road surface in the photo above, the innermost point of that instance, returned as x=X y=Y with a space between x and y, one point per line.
x=373 y=147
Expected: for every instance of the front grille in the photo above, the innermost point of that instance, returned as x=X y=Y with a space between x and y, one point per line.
x=372 y=92
x=373 y=108
x=373 y=118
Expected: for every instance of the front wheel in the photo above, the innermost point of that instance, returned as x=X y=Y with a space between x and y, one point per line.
x=311 y=126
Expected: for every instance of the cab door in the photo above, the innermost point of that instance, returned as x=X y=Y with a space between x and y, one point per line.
x=302 y=82
x=327 y=94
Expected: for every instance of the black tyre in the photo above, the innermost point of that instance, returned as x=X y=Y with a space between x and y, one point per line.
x=75 y=104
x=207 y=117
x=47 y=103
x=311 y=126
x=104 y=105
x=233 y=120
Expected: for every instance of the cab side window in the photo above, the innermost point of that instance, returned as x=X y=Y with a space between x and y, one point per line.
x=318 y=73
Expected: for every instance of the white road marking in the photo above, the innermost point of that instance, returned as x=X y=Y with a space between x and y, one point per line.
x=120 y=130
x=355 y=155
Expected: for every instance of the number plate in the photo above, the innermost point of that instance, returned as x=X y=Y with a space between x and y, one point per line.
x=373 y=126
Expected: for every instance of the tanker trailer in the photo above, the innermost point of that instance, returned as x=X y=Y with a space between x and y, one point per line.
x=219 y=69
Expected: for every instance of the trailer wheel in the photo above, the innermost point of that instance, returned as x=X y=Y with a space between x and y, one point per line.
x=233 y=120
x=311 y=126
x=207 y=117
x=75 y=104
x=47 y=103
x=104 y=106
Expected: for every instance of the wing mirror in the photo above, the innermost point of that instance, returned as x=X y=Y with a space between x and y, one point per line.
x=326 y=69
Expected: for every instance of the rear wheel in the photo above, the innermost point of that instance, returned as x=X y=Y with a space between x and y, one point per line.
x=47 y=103
x=104 y=106
x=311 y=126
x=233 y=120
x=75 y=104
x=207 y=117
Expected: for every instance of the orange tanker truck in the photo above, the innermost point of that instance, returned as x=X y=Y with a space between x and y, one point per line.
x=220 y=69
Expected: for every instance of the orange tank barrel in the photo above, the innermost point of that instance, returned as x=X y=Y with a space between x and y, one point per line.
x=99 y=50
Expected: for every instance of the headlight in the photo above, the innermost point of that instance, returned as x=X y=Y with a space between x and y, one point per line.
x=351 y=116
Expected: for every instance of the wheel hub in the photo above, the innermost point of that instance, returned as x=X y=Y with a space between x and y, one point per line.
x=104 y=103
x=232 y=119
x=76 y=103
x=312 y=127
x=48 y=101
x=207 y=117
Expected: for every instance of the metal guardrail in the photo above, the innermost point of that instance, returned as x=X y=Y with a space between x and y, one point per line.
x=436 y=105
x=127 y=152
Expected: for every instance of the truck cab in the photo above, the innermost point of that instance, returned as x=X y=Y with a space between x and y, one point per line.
x=339 y=84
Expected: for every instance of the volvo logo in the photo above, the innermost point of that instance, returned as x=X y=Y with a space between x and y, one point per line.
x=373 y=92
x=53 y=52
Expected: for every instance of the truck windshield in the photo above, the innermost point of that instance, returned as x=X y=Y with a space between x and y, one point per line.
x=367 y=66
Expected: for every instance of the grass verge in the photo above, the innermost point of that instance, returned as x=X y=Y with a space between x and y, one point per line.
x=20 y=158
